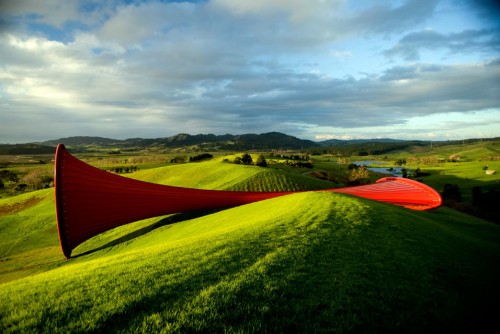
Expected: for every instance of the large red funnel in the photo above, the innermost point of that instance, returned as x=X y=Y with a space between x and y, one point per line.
x=90 y=201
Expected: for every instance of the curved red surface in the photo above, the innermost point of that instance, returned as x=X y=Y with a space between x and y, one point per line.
x=399 y=191
x=90 y=201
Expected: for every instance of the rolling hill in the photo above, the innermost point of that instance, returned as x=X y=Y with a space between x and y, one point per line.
x=271 y=140
x=307 y=262
x=228 y=142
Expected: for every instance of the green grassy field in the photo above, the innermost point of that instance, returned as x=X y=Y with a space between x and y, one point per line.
x=467 y=172
x=308 y=262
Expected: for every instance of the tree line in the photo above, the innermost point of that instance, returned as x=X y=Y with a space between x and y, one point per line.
x=364 y=149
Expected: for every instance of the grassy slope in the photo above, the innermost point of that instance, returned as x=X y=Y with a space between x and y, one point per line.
x=305 y=262
x=467 y=173
x=219 y=175
x=28 y=235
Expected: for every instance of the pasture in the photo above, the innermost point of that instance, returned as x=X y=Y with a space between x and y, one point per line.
x=307 y=262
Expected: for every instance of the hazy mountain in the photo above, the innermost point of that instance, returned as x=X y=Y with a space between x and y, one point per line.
x=83 y=141
x=31 y=148
x=271 y=140
x=342 y=142
x=207 y=142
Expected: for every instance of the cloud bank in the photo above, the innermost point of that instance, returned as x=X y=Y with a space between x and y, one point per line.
x=307 y=68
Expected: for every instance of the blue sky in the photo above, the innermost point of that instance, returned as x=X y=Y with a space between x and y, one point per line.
x=315 y=69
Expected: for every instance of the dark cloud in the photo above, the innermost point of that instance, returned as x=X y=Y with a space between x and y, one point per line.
x=385 y=19
x=485 y=41
x=154 y=68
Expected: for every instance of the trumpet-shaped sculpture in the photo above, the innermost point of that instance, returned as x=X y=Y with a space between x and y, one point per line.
x=90 y=201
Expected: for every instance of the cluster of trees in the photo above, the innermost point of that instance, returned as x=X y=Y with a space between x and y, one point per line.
x=179 y=159
x=484 y=204
x=201 y=157
x=303 y=164
x=7 y=176
x=183 y=159
x=359 y=175
x=246 y=159
x=127 y=169
x=294 y=160
x=129 y=161
x=303 y=157
x=34 y=178
x=427 y=160
x=364 y=149
x=491 y=158
x=400 y=162
x=454 y=158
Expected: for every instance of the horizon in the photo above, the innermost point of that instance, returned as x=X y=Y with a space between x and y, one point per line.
x=340 y=69
x=248 y=133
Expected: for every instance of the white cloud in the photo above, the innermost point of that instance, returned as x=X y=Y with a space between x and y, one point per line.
x=155 y=68
x=341 y=53
x=333 y=136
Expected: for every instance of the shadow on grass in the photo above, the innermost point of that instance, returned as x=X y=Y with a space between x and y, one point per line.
x=176 y=218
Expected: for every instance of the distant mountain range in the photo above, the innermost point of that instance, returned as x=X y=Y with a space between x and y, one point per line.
x=264 y=141
x=208 y=142
x=202 y=141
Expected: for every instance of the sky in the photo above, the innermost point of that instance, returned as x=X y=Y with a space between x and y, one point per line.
x=314 y=69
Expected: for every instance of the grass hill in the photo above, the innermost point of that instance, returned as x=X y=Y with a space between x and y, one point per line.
x=308 y=262
x=227 y=176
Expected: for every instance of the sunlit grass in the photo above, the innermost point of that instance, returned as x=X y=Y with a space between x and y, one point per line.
x=308 y=262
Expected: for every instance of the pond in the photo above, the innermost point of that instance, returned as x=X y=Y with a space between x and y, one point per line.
x=394 y=171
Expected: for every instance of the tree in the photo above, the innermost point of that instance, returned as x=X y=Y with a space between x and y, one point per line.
x=246 y=159
x=477 y=194
x=9 y=176
x=451 y=193
x=180 y=159
x=352 y=166
x=358 y=176
x=261 y=161
x=33 y=178
x=404 y=172
x=21 y=187
x=400 y=162
x=200 y=157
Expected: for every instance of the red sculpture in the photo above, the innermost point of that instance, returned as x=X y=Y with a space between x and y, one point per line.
x=90 y=201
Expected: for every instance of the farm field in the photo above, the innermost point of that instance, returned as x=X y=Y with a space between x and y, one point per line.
x=307 y=262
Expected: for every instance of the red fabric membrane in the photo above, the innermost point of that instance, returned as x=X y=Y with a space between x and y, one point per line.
x=90 y=201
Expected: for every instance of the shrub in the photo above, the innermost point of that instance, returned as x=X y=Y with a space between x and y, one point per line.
x=246 y=159
x=451 y=193
x=352 y=166
x=179 y=159
x=261 y=161
x=200 y=157
x=358 y=176
x=400 y=162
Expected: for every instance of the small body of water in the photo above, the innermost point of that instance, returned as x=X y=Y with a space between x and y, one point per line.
x=394 y=171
